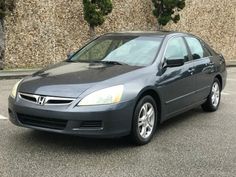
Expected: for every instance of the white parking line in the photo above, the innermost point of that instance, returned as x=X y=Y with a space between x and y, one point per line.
x=224 y=93
x=3 y=118
x=229 y=79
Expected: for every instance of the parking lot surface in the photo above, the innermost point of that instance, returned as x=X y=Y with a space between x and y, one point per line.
x=192 y=144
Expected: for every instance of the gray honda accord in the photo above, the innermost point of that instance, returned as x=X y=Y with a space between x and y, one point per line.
x=121 y=84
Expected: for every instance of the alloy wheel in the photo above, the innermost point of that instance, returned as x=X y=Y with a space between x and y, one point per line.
x=146 y=120
x=215 y=94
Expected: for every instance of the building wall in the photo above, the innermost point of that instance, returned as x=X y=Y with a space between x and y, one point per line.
x=212 y=20
x=42 y=32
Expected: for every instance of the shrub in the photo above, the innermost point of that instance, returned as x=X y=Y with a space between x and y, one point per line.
x=6 y=6
x=167 y=10
x=95 y=12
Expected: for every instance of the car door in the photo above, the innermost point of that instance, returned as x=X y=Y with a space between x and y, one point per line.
x=203 y=66
x=176 y=84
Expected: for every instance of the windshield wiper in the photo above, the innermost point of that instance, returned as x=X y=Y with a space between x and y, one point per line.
x=100 y=61
x=113 y=62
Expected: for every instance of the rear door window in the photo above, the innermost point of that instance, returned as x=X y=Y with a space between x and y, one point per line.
x=196 y=48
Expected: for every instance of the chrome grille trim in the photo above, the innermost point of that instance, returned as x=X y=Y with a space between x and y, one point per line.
x=47 y=99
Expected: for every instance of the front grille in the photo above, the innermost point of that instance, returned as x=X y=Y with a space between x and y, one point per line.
x=45 y=100
x=91 y=124
x=43 y=122
x=29 y=98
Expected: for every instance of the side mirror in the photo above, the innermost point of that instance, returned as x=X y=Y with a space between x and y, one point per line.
x=174 y=62
x=70 y=54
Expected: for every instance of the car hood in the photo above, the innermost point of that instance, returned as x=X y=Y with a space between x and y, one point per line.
x=70 y=79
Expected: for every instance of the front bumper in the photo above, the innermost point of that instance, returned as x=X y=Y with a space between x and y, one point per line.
x=90 y=121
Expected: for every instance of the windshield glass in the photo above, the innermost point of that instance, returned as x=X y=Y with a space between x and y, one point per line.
x=131 y=50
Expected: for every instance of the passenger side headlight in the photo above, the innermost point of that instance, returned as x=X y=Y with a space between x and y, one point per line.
x=14 y=89
x=109 y=95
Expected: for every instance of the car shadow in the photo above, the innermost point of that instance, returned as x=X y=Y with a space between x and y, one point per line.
x=71 y=141
x=80 y=144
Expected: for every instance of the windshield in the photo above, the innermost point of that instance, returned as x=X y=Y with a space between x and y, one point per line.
x=131 y=50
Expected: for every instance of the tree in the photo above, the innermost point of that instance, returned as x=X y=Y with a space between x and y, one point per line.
x=6 y=7
x=95 y=12
x=167 y=10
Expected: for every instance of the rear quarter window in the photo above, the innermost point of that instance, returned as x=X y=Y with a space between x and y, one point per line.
x=210 y=49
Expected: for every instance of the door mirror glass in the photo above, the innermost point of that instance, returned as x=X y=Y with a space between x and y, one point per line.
x=174 y=62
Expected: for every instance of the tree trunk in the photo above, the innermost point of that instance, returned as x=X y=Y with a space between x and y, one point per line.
x=161 y=10
x=92 y=31
x=159 y=27
x=2 y=44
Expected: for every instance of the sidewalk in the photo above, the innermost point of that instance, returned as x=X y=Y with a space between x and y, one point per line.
x=231 y=63
x=16 y=74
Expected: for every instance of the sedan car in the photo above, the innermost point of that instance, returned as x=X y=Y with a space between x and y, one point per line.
x=121 y=84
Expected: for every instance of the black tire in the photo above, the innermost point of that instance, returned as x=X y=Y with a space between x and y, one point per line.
x=208 y=106
x=135 y=134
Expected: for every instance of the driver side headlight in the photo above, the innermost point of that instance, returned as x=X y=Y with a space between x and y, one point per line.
x=14 y=89
x=109 y=95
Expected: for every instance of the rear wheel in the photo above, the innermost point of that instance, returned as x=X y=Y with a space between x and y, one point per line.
x=144 y=120
x=213 y=100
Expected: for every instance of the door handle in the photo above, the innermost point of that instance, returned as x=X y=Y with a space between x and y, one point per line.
x=191 y=70
x=211 y=63
x=222 y=61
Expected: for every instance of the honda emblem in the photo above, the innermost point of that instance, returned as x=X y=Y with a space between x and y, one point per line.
x=41 y=100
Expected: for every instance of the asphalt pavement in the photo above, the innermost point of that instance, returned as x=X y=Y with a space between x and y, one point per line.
x=193 y=144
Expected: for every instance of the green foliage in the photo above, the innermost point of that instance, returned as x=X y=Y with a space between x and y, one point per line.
x=96 y=10
x=6 y=6
x=167 y=10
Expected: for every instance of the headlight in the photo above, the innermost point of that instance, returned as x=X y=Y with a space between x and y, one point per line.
x=109 y=95
x=14 y=89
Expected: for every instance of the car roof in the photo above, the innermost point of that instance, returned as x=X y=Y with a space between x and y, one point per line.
x=143 y=33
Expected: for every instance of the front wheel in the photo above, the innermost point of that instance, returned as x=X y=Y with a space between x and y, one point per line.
x=144 y=120
x=213 y=100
